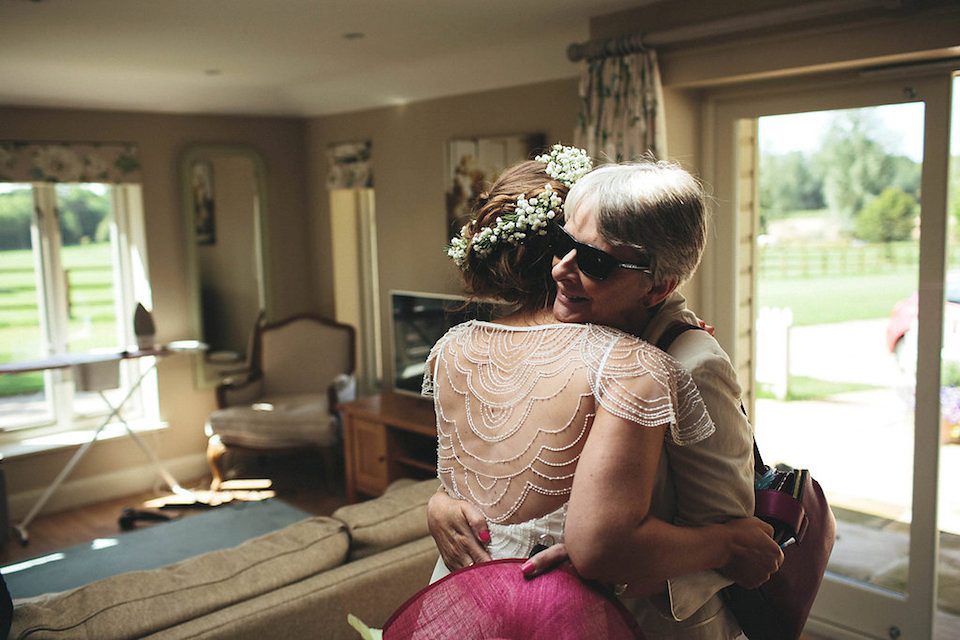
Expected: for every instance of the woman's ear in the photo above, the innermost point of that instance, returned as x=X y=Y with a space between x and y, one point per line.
x=658 y=292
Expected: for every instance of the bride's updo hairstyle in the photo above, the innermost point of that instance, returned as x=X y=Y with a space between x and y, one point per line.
x=515 y=273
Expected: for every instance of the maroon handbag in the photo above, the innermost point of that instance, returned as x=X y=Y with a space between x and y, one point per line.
x=792 y=502
x=794 y=505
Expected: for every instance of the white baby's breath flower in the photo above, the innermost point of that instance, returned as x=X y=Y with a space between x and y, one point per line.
x=565 y=165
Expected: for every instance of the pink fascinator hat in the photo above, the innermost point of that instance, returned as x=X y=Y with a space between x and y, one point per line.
x=494 y=601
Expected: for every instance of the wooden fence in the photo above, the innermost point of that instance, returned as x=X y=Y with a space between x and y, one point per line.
x=88 y=286
x=813 y=261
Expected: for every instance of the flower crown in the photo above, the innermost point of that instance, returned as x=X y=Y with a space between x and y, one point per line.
x=565 y=165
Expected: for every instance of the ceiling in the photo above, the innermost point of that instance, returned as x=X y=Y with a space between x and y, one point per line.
x=281 y=57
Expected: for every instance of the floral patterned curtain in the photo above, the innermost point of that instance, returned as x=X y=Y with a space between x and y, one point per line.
x=621 y=108
x=351 y=166
x=68 y=162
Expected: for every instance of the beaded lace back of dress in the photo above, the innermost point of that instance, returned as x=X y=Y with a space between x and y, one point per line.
x=515 y=405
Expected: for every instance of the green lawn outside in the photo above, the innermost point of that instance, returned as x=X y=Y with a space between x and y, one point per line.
x=829 y=299
x=81 y=255
x=837 y=298
x=92 y=317
x=802 y=389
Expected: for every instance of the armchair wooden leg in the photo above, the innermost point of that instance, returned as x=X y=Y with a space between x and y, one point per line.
x=215 y=451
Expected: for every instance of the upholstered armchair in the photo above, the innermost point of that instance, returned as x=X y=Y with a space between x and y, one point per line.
x=300 y=368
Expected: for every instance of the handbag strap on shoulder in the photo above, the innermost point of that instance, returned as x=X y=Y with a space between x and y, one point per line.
x=671 y=333
x=758 y=465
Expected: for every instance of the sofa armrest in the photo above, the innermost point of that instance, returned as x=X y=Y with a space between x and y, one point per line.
x=396 y=517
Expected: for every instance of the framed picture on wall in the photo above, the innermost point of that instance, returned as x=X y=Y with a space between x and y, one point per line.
x=203 y=203
x=474 y=163
x=351 y=165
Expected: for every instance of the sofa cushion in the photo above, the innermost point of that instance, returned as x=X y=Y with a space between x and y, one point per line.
x=277 y=422
x=317 y=607
x=137 y=603
x=396 y=517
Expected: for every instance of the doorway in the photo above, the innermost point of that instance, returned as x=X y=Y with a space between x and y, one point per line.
x=827 y=239
x=356 y=278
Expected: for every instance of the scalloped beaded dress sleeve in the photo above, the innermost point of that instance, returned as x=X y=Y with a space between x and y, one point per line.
x=514 y=407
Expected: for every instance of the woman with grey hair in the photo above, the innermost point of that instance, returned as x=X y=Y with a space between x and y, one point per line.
x=632 y=234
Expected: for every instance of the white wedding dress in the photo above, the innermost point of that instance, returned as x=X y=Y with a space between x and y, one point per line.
x=514 y=408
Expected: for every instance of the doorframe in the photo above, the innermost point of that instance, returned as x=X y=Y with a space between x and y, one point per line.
x=844 y=607
x=356 y=278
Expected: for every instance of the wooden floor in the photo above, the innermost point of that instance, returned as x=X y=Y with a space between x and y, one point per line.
x=295 y=479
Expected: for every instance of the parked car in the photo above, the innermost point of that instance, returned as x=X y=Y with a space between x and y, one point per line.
x=901 y=330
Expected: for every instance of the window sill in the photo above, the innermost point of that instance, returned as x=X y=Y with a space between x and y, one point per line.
x=16 y=447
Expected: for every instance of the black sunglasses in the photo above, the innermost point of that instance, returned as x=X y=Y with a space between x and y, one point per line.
x=593 y=262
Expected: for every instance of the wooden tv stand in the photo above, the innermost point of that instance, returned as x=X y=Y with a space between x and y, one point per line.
x=386 y=437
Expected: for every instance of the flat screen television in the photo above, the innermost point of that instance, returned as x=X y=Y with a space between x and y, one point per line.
x=418 y=320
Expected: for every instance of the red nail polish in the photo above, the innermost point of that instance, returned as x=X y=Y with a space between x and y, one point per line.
x=526 y=568
x=484 y=536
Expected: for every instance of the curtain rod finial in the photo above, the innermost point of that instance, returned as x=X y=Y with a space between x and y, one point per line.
x=575 y=52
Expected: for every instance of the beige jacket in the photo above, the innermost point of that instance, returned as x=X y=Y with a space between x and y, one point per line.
x=706 y=483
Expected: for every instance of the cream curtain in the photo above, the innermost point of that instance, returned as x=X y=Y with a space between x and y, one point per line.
x=621 y=108
x=68 y=162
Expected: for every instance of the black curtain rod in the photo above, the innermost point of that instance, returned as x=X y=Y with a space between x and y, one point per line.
x=606 y=48
x=637 y=42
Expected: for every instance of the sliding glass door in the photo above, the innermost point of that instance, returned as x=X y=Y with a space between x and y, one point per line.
x=831 y=236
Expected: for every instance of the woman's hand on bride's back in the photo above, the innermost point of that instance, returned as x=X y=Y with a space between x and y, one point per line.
x=555 y=555
x=459 y=529
x=549 y=558
x=752 y=554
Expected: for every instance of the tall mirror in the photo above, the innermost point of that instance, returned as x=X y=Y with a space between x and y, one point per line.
x=224 y=204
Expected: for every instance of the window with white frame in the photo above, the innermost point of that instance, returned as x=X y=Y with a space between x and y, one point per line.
x=72 y=270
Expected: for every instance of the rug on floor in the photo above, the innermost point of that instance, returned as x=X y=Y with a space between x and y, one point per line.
x=148 y=548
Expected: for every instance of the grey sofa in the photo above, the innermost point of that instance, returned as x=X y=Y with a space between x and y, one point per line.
x=297 y=582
